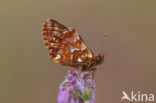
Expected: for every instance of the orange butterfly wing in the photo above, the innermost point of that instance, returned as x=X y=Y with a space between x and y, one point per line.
x=65 y=45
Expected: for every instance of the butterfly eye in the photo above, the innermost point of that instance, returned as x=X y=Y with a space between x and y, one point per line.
x=100 y=59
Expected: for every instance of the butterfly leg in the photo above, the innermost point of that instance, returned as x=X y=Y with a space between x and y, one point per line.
x=93 y=73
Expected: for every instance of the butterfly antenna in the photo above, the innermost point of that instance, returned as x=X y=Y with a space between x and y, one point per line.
x=101 y=51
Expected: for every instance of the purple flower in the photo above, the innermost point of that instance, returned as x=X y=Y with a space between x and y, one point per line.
x=77 y=88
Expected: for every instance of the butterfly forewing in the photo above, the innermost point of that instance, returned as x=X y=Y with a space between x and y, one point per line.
x=65 y=45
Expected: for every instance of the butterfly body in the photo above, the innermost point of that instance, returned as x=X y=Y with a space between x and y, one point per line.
x=66 y=47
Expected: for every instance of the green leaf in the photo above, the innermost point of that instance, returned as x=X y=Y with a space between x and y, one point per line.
x=90 y=94
x=86 y=96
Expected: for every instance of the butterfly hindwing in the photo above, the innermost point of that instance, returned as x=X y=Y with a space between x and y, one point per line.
x=65 y=45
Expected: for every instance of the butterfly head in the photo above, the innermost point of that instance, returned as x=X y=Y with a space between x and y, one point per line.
x=100 y=58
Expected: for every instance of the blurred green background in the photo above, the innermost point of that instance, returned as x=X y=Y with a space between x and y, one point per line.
x=28 y=76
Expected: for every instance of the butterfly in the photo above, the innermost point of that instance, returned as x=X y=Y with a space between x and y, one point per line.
x=67 y=47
